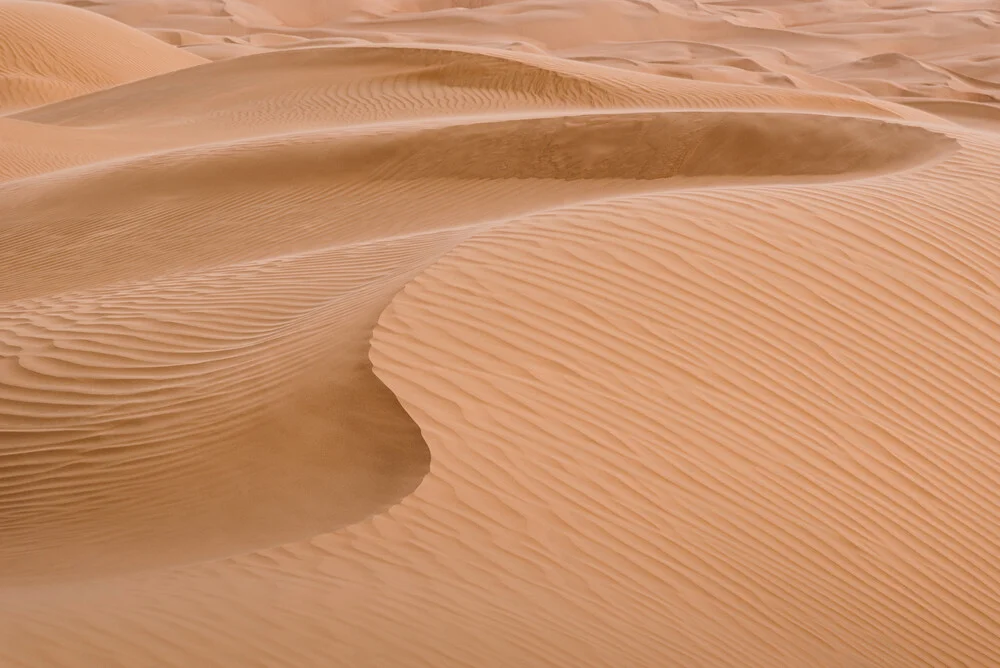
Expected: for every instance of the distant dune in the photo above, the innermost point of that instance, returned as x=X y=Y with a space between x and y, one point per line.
x=50 y=52
x=429 y=333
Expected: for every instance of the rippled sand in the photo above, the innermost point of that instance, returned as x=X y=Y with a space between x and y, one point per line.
x=444 y=333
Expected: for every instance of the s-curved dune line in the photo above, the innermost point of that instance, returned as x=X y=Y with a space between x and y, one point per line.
x=416 y=334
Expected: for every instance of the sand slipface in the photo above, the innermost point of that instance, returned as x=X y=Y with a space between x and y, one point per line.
x=419 y=333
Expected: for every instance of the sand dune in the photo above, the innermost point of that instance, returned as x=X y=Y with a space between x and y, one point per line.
x=420 y=333
x=50 y=52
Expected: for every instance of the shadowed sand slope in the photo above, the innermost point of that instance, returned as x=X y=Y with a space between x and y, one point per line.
x=406 y=354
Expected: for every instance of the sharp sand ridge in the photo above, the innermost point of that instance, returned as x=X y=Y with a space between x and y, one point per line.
x=429 y=333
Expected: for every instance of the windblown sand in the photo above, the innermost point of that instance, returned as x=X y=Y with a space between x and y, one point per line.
x=495 y=334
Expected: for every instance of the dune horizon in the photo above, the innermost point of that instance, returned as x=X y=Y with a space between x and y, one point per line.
x=490 y=333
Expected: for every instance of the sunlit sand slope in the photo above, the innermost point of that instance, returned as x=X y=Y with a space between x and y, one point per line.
x=421 y=355
x=766 y=415
x=50 y=52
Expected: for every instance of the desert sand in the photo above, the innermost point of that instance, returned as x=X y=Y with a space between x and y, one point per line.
x=495 y=333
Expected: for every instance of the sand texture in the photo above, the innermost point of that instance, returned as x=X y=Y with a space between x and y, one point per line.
x=500 y=333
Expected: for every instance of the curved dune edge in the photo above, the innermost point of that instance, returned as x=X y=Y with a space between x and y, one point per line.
x=247 y=383
x=772 y=450
x=706 y=419
x=621 y=145
x=109 y=418
x=337 y=87
x=805 y=517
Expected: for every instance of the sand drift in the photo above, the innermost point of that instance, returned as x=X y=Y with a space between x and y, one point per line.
x=334 y=350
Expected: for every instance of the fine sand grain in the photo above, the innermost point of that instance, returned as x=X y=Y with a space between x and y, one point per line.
x=479 y=334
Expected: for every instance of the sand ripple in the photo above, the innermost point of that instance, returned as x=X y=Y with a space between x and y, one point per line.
x=488 y=347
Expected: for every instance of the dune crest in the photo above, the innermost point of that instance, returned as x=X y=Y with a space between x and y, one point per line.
x=514 y=333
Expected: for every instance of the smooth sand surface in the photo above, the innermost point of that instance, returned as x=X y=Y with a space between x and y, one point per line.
x=442 y=333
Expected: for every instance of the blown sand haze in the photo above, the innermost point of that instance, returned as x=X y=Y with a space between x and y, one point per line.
x=428 y=333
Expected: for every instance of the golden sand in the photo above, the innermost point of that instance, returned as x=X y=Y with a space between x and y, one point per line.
x=483 y=334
